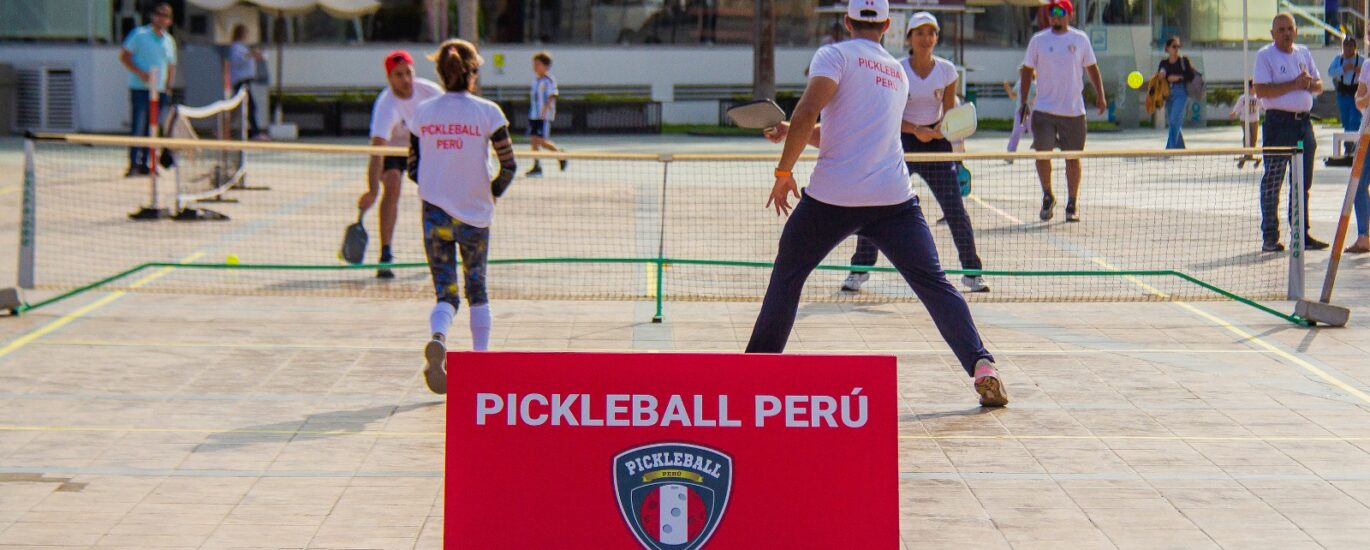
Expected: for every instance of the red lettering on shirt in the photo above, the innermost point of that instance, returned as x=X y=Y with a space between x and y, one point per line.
x=453 y=143
x=893 y=72
x=454 y=129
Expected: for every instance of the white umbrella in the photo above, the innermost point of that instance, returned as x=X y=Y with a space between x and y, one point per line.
x=341 y=9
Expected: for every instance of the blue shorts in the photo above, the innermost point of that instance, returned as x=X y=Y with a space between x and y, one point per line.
x=539 y=128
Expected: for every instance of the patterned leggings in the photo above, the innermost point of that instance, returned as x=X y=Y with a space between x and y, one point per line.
x=442 y=236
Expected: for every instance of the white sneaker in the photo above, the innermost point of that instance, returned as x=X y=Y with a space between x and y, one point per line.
x=975 y=284
x=435 y=369
x=854 y=280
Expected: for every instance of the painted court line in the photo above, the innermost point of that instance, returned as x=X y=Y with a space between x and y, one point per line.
x=388 y=433
x=408 y=349
x=1223 y=323
x=86 y=309
x=9 y=189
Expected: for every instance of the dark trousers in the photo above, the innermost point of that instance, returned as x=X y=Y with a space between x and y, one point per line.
x=139 y=101
x=941 y=178
x=1284 y=129
x=900 y=232
x=253 y=129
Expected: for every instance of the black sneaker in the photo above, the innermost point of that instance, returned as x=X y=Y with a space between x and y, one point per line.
x=1272 y=247
x=1072 y=214
x=536 y=172
x=385 y=272
x=137 y=171
x=1048 y=203
x=562 y=162
x=1309 y=243
x=435 y=369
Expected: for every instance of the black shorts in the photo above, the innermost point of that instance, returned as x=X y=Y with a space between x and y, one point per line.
x=394 y=163
x=539 y=128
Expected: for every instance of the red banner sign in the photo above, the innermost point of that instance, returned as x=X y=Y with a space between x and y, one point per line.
x=671 y=451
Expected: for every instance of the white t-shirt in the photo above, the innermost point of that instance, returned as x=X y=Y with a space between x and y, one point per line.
x=924 y=106
x=1060 y=61
x=861 y=162
x=1247 y=109
x=389 y=113
x=454 y=148
x=1275 y=67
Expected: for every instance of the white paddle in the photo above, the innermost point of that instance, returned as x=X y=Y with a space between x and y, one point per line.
x=761 y=114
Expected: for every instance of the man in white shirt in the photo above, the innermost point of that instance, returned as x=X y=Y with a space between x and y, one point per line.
x=1287 y=80
x=860 y=186
x=1059 y=57
x=394 y=106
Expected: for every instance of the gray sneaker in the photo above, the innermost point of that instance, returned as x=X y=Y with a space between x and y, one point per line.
x=854 y=280
x=1048 y=206
x=975 y=284
x=435 y=373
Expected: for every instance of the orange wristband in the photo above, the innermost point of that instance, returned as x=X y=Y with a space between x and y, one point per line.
x=783 y=173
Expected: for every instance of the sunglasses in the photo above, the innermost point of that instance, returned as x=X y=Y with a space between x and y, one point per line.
x=1058 y=11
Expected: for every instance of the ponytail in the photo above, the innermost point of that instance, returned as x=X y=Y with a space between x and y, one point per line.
x=458 y=64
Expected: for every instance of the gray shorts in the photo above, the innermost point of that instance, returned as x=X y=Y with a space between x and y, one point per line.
x=1051 y=131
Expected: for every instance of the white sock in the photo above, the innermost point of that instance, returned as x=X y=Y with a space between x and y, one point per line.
x=480 y=327
x=441 y=318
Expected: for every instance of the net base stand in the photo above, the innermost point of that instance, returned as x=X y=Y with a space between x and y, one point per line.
x=1319 y=312
x=10 y=300
x=150 y=213
x=199 y=215
x=218 y=199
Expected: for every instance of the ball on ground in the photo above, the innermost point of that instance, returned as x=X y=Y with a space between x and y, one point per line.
x=231 y=259
x=1135 y=80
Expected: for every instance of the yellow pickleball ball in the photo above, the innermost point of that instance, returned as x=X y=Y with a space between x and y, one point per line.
x=1135 y=80
x=231 y=259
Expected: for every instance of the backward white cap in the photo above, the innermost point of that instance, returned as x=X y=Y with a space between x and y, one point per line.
x=922 y=18
x=873 y=11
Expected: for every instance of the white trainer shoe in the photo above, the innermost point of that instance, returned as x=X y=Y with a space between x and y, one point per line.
x=854 y=280
x=975 y=283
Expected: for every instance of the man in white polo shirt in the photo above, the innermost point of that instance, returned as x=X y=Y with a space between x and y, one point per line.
x=1286 y=80
x=1059 y=57
x=393 y=108
x=860 y=186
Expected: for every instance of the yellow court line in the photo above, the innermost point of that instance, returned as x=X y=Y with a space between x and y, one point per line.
x=86 y=309
x=1253 y=438
x=387 y=433
x=410 y=348
x=1305 y=365
x=221 y=431
x=9 y=189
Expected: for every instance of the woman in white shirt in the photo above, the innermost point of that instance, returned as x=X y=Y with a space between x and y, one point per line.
x=932 y=92
x=449 y=150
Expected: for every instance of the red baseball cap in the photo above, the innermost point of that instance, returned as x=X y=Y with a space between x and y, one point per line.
x=395 y=58
x=1063 y=4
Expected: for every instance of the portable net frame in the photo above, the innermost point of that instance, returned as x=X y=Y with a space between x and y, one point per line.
x=207 y=174
x=1157 y=226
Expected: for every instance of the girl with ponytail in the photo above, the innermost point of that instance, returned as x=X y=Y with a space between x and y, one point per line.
x=451 y=138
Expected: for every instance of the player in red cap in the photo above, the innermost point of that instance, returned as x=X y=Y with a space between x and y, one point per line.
x=393 y=107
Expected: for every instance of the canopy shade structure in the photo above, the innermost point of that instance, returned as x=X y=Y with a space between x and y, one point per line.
x=341 y=9
x=336 y=8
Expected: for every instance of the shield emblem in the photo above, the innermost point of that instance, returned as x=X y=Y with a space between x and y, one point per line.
x=672 y=495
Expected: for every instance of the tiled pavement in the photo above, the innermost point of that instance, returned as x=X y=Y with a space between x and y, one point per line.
x=164 y=421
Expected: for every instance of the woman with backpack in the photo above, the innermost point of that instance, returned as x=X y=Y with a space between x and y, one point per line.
x=1178 y=71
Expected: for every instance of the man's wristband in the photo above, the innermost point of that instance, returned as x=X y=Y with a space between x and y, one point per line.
x=783 y=173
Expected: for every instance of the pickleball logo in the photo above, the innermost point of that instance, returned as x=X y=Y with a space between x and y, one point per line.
x=672 y=495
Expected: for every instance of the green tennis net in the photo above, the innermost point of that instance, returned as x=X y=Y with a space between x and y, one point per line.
x=644 y=227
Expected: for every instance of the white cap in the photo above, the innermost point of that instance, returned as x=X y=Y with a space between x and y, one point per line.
x=922 y=18
x=873 y=11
